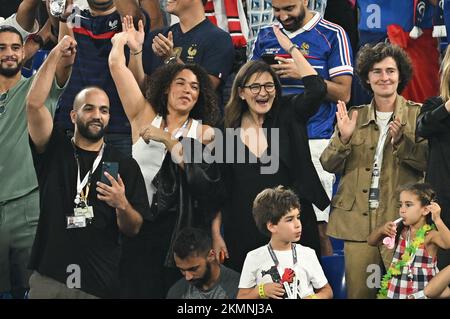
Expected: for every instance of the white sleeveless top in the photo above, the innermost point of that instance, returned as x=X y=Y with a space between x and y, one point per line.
x=150 y=156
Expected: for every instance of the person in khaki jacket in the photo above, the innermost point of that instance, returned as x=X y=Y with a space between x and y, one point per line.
x=375 y=150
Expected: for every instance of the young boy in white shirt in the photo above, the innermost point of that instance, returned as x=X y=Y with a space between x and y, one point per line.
x=281 y=269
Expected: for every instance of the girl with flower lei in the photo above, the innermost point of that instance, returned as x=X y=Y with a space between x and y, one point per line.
x=417 y=239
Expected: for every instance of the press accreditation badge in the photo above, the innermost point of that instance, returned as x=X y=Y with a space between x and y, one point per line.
x=86 y=211
x=76 y=222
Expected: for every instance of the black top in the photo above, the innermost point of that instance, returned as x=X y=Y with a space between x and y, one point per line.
x=238 y=218
x=290 y=116
x=433 y=123
x=295 y=170
x=95 y=248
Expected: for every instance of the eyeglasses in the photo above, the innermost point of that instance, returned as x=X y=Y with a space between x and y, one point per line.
x=3 y=103
x=255 y=88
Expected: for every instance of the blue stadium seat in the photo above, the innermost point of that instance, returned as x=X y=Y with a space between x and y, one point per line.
x=338 y=245
x=38 y=58
x=334 y=269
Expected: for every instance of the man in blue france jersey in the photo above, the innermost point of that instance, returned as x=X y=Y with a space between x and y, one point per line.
x=327 y=49
x=93 y=29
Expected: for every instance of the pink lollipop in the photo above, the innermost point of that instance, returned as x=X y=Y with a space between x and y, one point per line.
x=389 y=242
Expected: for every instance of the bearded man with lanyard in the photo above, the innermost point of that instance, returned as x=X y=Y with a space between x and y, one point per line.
x=78 y=242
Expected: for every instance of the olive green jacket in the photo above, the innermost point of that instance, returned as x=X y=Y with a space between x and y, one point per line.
x=402 y=163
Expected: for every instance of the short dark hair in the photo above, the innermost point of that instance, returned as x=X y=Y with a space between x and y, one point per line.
x=206 y=109
x=271 y=205
x=8 y=28
x=370 y=54
x=192 y=242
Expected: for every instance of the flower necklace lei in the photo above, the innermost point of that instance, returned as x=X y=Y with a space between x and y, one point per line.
x=407 y=257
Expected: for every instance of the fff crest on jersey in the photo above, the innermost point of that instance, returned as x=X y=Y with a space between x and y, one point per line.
x=304 y=48
x=192 y=51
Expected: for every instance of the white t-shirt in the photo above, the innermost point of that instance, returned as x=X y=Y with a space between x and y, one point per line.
x=308 y=272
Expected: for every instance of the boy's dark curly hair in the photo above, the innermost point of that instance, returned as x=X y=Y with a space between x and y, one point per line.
x=206 y=109
x=370 y=54
x=271 y=205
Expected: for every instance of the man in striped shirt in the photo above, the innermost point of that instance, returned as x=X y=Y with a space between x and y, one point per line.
x=327 y=49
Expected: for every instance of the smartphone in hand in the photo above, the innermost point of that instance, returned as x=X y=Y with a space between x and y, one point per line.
x=112 y=168
x=269 y=58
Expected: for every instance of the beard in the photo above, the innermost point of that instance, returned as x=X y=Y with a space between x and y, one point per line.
x=10 y=72
x=201 y=281
x=100 y=5
x=296 y=23
x=87 y=133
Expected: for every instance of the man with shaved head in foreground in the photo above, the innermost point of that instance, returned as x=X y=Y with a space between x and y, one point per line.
x=83 y=214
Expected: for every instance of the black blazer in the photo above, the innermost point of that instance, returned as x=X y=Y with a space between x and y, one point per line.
x=291 y=116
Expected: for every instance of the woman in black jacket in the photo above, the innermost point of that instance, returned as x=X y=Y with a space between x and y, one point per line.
x=266 y=133
x=433 y=123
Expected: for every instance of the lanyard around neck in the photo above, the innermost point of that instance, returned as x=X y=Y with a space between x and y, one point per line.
x=274 y=257
x=87 y=177
x=381 y=141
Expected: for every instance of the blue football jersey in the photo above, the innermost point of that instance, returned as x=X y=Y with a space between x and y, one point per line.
x=327 y=48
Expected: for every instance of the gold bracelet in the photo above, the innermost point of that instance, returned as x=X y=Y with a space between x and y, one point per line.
x=261 y=292
x=136 y=53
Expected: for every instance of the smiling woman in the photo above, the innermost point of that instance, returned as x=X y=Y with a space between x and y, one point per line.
x=179 y=104
x=252 y=109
